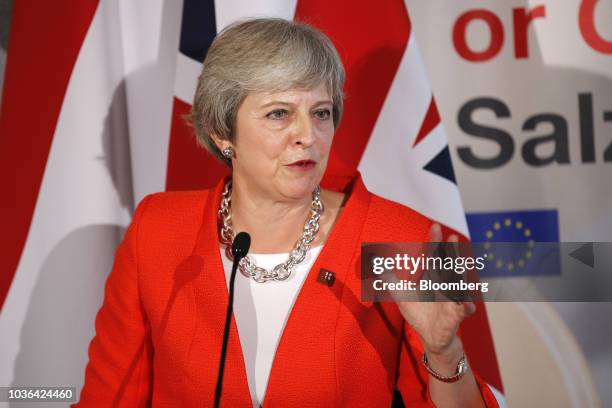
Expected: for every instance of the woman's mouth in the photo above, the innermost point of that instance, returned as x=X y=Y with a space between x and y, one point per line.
x=302 y=164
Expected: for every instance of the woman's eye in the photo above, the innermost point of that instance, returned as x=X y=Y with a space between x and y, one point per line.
x=278 y=114
x=323 y=114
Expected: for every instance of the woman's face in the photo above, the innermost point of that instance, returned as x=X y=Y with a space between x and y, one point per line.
x=282 y=142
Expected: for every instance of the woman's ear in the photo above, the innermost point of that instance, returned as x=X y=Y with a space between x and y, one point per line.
x=220 y=143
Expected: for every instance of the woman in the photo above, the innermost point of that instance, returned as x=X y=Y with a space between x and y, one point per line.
x=267 y=104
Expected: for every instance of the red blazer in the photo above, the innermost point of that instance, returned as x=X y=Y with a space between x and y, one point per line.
x=159 y=330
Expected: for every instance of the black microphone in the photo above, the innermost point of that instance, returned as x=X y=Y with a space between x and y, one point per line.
x=240 y=247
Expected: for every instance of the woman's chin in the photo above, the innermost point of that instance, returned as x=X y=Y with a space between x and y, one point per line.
x=299 y=189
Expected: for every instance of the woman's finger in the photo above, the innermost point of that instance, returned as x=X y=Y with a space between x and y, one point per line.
x=469 y=308
x=452 y=247
x=435 y=233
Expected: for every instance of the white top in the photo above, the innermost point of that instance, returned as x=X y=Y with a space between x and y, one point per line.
x=261 y=311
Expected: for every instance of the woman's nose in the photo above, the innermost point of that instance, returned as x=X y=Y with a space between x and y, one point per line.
x=304 y=131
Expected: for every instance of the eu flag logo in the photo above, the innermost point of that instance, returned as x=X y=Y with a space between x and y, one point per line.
x=509 y=242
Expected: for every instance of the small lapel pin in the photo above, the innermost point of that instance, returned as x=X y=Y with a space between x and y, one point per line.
x=326 y=277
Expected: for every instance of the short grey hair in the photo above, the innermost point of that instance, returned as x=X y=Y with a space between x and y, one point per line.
x=261 y=55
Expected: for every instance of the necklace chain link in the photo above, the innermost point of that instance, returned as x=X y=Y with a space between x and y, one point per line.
x=283 y=270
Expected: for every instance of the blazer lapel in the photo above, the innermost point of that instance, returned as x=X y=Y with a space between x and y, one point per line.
x=212 y=296
x=304 y=369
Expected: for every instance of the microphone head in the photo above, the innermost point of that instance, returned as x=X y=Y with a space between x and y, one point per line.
x=241 y=245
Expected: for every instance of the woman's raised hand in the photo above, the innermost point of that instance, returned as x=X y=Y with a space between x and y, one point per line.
x=437 y=322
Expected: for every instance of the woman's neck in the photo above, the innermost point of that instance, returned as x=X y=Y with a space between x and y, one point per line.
x=274 y=225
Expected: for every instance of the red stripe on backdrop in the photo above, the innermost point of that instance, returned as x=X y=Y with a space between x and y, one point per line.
x=371 y=39
x=45 y=40
x=432 y=118
x=189 y=166
x=478 y=344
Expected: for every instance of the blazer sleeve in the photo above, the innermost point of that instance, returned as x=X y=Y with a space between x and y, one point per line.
x=119 y=372
x=413 y=378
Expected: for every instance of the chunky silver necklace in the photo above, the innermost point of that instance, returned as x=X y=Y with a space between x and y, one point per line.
x=281 y=271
